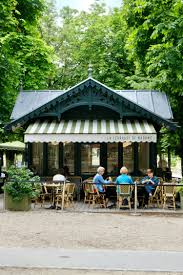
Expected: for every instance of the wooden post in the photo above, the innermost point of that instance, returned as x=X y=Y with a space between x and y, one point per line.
x=61 y=159
x=120 y=155
x=103 y=155
x=45 y=159
x=77 y=159
x=136 y=158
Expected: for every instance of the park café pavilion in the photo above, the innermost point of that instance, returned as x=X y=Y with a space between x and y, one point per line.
x=89 y=125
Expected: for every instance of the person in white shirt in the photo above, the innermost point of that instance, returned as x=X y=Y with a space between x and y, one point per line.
x=59 y=177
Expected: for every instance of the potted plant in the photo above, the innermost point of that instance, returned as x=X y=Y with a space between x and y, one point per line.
x=180 y=191
x=20 y=188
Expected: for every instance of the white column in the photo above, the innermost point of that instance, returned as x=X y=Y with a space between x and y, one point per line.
x=4 y=160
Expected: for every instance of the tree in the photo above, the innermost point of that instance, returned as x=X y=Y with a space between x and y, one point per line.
x=96 y=37
x=23 y=54
x=155 y=45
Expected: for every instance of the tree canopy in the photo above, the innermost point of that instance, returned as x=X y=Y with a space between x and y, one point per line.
x=139 y=45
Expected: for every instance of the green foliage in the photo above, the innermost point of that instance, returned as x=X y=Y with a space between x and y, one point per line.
x=21 y=183
x=155 y=45
x=95 y=37
x=24 y=55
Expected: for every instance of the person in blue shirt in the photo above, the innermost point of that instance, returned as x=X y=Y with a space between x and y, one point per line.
x=124 y=178
x=99 y=180
x=150 y=182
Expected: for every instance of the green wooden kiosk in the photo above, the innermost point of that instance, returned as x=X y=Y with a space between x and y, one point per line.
x=89 y=125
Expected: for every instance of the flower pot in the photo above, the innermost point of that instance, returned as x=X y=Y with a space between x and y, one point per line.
x=14 y=205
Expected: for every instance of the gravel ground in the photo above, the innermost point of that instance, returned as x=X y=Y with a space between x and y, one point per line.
x=50 y=228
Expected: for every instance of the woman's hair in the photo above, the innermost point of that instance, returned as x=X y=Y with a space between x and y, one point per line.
x=124 y=170
x=100 y=169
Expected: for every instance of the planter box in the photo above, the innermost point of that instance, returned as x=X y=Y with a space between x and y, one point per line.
x=23 y=205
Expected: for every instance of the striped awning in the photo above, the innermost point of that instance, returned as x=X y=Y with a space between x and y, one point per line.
x=90 y=131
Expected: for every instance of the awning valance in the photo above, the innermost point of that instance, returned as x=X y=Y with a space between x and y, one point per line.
x=13 y=145
x=90 y=131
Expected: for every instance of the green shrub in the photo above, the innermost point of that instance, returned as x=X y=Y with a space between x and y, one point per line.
x=21 y=183
x=180 y=189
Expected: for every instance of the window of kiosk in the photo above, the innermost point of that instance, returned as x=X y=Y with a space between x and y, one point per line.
x=37 y=158
x=143 y=155
x=128 y=156
x=112 y=158
x=53 y=159
x=90 y=158
x=68 y=157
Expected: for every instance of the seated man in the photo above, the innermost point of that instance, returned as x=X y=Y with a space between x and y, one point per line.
x=59 y=177
x=99 y=180
x=150 y=182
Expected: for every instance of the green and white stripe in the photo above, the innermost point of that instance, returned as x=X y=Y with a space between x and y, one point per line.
x=91 y=127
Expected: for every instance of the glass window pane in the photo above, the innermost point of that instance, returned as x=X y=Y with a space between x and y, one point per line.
x=112 y=158
x=68 y=153
x=90 y=158
x=37 y=157
x=53 y=159
x=143 y=153
x=128 y=156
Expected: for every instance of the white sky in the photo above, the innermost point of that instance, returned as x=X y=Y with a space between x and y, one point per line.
x=85 y=4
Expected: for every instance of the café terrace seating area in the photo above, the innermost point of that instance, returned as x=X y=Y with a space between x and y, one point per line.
x=83 y=196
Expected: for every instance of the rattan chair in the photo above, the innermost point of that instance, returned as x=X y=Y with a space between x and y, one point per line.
x=169 y=193
x=44 y=195
x=93 y=196
x=68 y=195
x=87 y=190
x=155 y=199
x=123 y=192
x=100 y=198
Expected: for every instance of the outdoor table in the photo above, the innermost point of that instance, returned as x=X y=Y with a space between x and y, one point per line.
x=53 y=187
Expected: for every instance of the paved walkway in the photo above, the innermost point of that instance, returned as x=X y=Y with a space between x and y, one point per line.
x=159 y=261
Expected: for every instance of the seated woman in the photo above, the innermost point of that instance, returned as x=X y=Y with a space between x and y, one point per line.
x=99 y=180
x=150 y=182
x=124 y=178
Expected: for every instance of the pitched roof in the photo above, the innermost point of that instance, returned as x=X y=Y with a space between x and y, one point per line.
x=154 y=102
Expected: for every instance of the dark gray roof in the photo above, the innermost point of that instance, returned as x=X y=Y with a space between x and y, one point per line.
x=154 y=101
x=27 y=101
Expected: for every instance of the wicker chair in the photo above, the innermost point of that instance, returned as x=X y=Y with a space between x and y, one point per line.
x=45 y=195
x=68 y=195
x=123 y=192
x=169 y=193
x=155 y=199
x=93 y=196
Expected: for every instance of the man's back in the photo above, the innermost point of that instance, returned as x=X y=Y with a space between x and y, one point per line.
x=58 y=177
